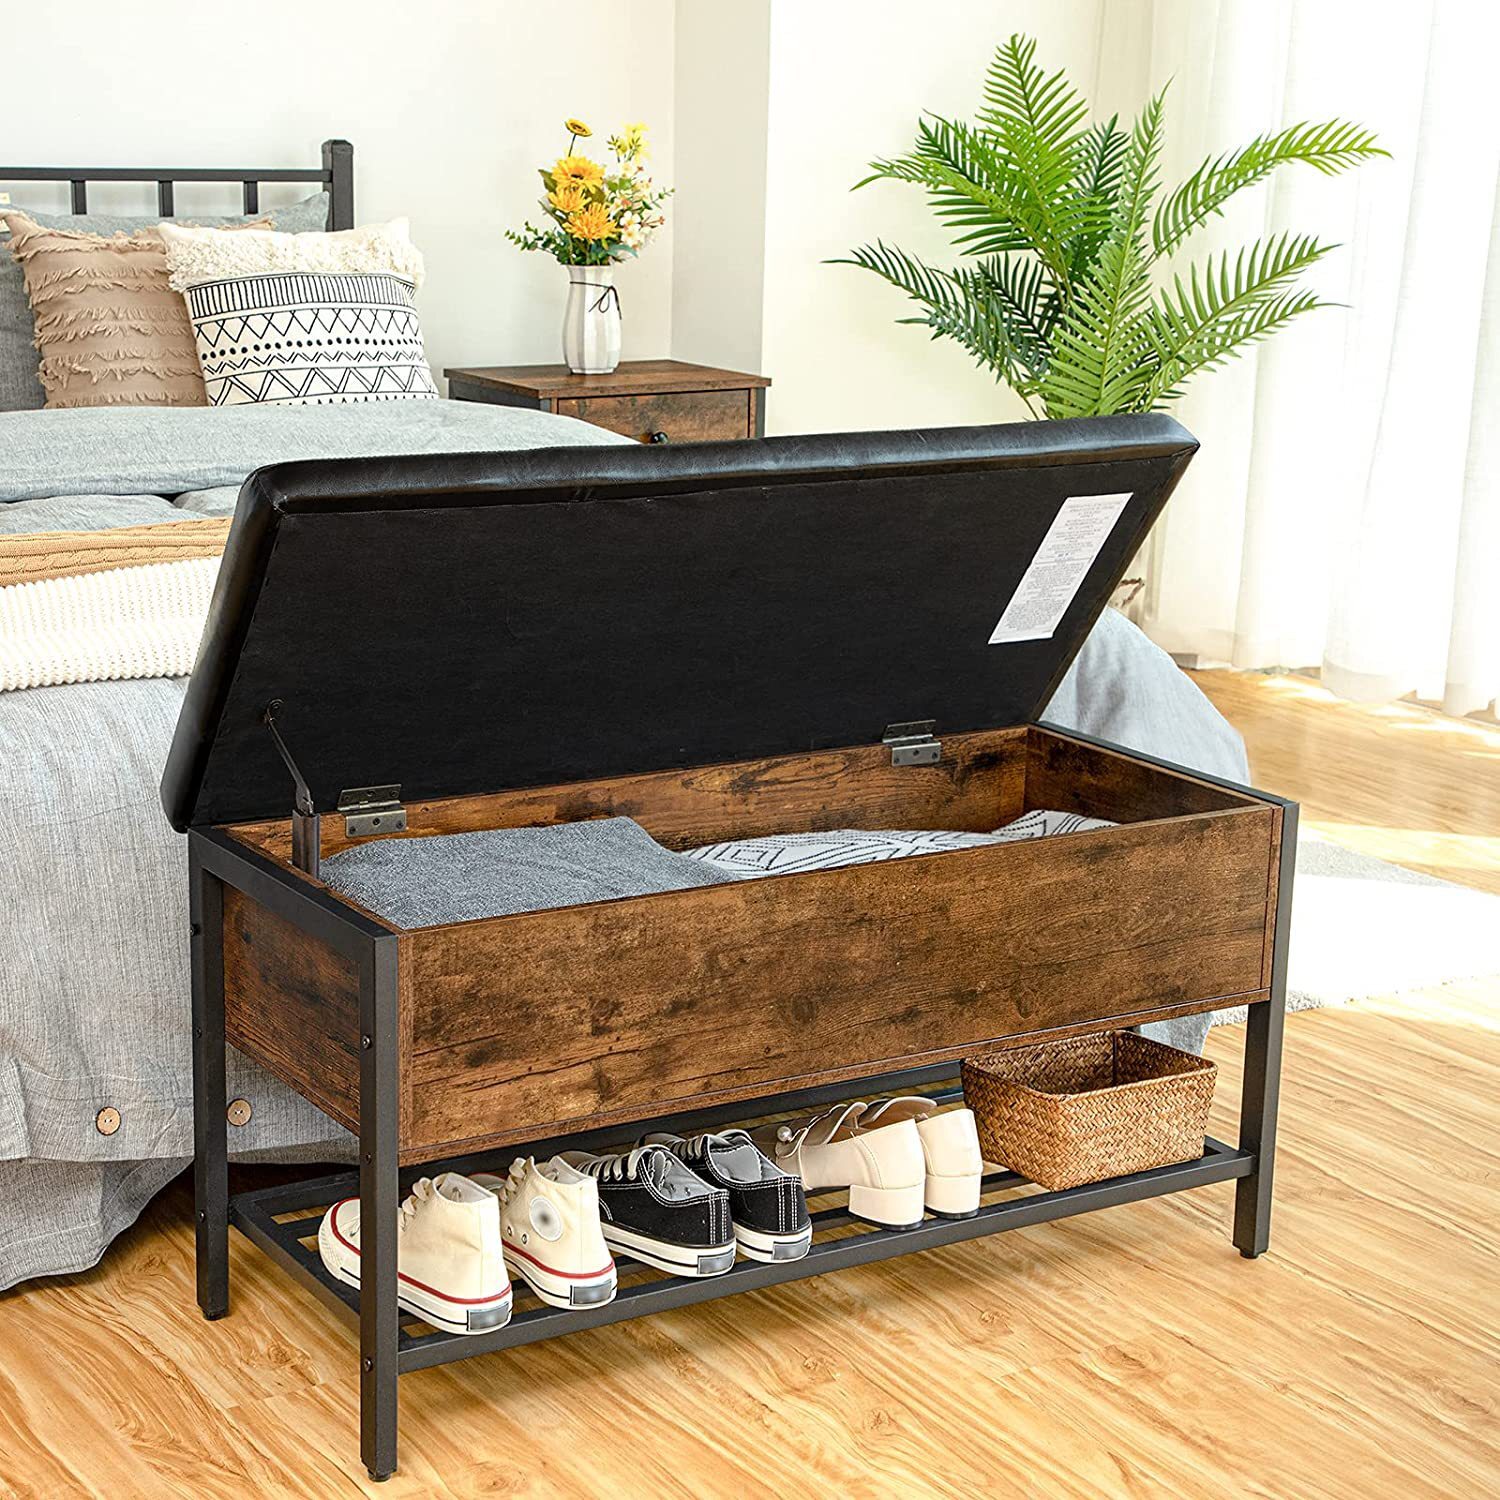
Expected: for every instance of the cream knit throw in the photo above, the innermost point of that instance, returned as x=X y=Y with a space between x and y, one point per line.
x=102 y=627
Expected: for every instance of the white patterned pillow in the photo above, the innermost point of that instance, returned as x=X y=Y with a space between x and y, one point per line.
x=798 y=853
x=303 y=319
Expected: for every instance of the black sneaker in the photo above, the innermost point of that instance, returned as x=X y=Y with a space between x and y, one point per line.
x=654 y=1209
x=767 y=1205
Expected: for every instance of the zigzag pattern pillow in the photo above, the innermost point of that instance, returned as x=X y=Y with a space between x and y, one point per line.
x=303 y=319
x=308 y=338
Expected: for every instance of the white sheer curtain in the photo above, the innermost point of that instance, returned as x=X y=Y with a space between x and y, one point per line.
x=1345 y=509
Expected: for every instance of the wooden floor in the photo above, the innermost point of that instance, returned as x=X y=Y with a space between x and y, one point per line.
x=1130 y=1352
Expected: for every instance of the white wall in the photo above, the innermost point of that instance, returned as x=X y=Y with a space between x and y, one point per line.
x=718 y=293
x=450 y=105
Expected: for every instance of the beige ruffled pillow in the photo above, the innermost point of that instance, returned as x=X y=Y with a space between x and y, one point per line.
x=110 y=329
x=199 y=255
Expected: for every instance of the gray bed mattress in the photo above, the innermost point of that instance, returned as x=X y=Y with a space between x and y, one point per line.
x=94 y=1006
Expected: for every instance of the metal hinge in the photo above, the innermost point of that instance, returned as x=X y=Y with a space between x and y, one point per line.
x=913 y=744
x=372 y=809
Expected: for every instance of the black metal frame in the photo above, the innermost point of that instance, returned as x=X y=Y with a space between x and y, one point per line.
x=386 y=1351
x=336 y=175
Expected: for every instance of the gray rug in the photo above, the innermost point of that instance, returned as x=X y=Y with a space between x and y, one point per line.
x=1363 y=927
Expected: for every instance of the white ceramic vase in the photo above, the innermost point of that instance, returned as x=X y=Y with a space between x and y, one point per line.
x=591 y=321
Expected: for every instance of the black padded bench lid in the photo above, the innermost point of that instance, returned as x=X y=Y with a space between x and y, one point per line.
x=467 y=623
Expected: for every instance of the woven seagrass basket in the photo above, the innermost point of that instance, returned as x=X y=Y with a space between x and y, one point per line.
x=1089 y=1107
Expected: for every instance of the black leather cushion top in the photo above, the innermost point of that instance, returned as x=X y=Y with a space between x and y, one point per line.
x=465 y=623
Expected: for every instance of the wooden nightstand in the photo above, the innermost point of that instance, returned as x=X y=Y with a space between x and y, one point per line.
x=652 y=400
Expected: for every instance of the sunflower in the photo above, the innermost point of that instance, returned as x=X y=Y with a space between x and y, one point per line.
x=569 y=199
x=592 y=223
x=578 y=128
x=577 y=171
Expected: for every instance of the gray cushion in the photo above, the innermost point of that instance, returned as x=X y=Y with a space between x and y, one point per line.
x=20 y=390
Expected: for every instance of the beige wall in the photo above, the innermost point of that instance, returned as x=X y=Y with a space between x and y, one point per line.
x=718 y=291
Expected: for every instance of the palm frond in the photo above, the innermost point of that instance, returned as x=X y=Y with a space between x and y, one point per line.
x=1330 y=147
x=1021 y=99
x=1101 y=164
x=1097 y=365
x=1036 y=122
x=1025 y=291
x=968 y=186
x=955 y=307
x=1225 y=305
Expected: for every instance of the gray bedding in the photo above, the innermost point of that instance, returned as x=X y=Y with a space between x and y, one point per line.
x=93 y=949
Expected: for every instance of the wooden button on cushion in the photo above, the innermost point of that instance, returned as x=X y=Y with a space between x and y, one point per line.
x=107 y=1121
x=239 y=1112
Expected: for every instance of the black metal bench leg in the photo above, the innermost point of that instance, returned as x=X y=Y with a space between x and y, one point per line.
x=1262 y=1086
x=210 y=1144
x=379 y=1207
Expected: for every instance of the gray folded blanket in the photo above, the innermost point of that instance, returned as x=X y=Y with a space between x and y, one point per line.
x=460 y=877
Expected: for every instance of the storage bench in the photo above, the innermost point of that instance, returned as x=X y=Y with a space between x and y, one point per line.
x=530 y=639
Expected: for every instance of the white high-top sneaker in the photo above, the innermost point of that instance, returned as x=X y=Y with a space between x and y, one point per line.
x=950 y=1145
x=883 y=1169
x=549 y=1222
x=450 y=1267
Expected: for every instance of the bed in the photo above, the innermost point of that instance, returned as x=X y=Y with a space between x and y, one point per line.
x=95 y=1045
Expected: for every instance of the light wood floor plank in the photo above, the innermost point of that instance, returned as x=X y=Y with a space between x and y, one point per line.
x=1130 y=1353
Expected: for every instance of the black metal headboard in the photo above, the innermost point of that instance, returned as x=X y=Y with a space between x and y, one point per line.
x=336 y=175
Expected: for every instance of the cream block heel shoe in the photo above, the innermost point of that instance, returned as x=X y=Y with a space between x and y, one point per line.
x=884 y=1170
x=950 y=1148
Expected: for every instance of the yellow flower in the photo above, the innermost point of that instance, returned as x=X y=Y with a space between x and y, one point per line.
x=592 y=223
x=577 y=127
x=568 y=200
x=630 y=143
x=577 y=171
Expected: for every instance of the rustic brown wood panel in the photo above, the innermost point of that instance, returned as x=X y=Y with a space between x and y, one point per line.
x=630 y=377
x=1273 y=887
x=1070 y=776
x=978 y=785
x=685 y=417
x=606 y=1012
x=292 y=1004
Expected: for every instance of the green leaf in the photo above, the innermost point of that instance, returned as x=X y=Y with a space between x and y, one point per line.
x=1036 y=121
x=1096 y=365
x=956 y=307
x=1101 y=165
x=972 y=189
x=1330 y=147
x=1225 y=305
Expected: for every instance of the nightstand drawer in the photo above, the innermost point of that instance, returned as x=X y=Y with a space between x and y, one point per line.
x=681 y=416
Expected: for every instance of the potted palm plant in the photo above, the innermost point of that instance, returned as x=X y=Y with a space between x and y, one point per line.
x=1065 y=293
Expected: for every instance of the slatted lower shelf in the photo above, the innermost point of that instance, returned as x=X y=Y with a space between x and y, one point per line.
x=283 y=1221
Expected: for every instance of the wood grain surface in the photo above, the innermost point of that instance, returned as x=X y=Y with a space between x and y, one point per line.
x=979 y=784
x=1131 y=1353
x=590 y=1014
x=688 y=417
x=292 y=1004
x=631 y=377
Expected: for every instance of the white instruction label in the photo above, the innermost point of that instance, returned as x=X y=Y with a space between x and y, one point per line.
x=1066 y=554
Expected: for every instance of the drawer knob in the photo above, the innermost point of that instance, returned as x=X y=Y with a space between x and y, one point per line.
x=656 y=437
